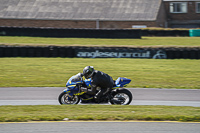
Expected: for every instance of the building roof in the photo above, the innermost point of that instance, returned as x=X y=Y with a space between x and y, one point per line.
x=116 y=10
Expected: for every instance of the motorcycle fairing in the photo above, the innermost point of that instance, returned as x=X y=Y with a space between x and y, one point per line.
x=71 y=85
x=88 y=82
x=73 y=81
x=121 y=82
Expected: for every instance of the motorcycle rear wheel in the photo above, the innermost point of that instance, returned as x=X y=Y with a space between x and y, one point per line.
x=122 y=97
x=63 y=99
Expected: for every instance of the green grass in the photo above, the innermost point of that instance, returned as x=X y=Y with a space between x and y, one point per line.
x=145 y=73
x=98 y=112
x=145 y=41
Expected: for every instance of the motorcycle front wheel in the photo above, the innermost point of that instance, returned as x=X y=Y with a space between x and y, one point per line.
x=121 y=97
x=65 y=98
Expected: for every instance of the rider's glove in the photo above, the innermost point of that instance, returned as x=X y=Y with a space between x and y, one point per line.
x=84 y=89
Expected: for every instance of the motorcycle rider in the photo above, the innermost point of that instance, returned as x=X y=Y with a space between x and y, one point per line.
x=98 y=79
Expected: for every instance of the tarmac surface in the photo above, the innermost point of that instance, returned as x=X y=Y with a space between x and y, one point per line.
x=100 y=127
x=141 y=96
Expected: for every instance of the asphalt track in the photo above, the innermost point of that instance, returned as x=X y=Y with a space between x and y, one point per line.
x=48 y=96
x=141 y=96
x=100 y=127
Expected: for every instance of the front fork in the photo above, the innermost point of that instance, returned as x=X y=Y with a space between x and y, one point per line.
x=72 y=93
x=69 y=94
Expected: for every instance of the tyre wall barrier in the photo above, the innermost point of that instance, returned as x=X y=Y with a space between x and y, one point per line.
x=100 y=52
x=165 y=32
x=27 y=51
x=79 y=33
x=88 y=33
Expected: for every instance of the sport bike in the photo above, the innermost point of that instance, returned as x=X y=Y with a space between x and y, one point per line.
x=73 y=94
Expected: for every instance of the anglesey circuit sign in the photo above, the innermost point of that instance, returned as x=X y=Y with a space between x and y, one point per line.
x=159 y=54
x=98 y=54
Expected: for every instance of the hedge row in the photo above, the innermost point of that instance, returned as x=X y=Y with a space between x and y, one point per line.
x=55 y=51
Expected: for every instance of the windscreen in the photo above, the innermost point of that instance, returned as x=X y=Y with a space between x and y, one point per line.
x=75 y=78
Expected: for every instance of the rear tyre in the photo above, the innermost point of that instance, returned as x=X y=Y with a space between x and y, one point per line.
x=121 y=97
x=65 y=98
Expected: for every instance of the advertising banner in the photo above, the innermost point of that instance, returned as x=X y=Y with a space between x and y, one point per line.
x=120 y=53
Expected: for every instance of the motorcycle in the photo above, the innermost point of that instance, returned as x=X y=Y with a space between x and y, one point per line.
x=73 y=94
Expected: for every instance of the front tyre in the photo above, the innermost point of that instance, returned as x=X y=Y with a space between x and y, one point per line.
x=121 y=97
x=65 y=98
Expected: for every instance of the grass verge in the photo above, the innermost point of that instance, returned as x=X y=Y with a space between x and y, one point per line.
x=145 y=41
x=145 y=73
x=98 y=112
